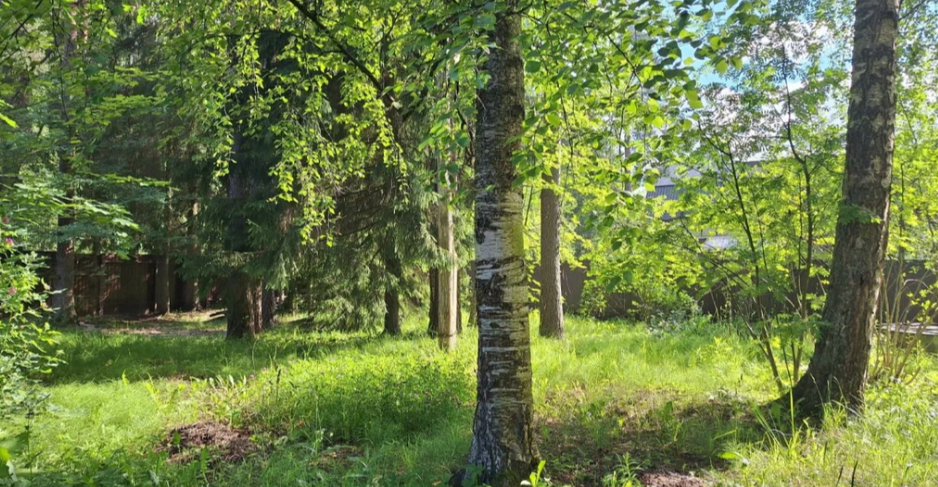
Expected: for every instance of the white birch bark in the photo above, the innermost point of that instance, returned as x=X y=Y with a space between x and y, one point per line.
x=503 y=441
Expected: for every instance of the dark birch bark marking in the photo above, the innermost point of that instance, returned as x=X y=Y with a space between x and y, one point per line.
x=551 y=303
x=837 y=372
x=503 y=439
x=473 y=304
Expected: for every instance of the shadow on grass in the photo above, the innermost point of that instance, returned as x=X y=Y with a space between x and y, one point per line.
x=651 y=433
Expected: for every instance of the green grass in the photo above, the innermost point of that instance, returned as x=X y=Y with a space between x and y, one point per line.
x=340 y=409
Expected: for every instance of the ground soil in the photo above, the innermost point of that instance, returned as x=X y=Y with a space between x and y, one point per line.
x=184 y=443
x=669 y=479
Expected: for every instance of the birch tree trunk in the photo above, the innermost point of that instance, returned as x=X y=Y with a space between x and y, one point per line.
x=837 y=372
x=551 y=298
x=503 y=445
x=473 y=303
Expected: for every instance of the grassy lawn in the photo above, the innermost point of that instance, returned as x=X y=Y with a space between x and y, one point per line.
x=616 y=403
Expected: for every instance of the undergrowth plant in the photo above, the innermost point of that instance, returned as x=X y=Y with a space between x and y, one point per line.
x=27 y=347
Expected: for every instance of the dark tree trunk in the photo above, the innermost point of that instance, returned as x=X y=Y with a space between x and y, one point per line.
x=433 y=326
x=245 y=303
x=244 y=313
x=162 y=284
x=392 y=300
x=551 y=297
x=838 y=369
x=269 y=305
x=63 y=283
x=392 y=314
x=249 y=181
x=503 y=446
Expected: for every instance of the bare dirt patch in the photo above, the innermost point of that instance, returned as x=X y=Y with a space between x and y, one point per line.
x=186 y=442
x=670 y=479
x=190 y=324
x=171 y=332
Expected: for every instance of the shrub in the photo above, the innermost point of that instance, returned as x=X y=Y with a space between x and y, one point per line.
x=27 y=348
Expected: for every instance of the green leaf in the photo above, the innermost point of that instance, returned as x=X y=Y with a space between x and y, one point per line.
x=9 y=121
x=694 y=99
x=722 y=66
x=553 y=119
x=715 y=42
x=532 y=66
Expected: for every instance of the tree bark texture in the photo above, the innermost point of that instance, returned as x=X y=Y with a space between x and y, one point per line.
x=392 y=300
x=473 y=303
x=837 y=372
x=447 y=281
x=269 y=303
x=503 y=446
x=245 y=306
x=392 y=315
x=551 y=303
x=243 y=292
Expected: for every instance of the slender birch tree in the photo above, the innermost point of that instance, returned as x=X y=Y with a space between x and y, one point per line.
x=503 y=447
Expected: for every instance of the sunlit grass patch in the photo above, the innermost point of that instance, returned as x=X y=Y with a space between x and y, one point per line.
x=615 y=401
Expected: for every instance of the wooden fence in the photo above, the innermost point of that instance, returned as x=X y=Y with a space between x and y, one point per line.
x=108 y=285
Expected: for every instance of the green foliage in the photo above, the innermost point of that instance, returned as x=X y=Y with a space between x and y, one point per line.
x=27 y=346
